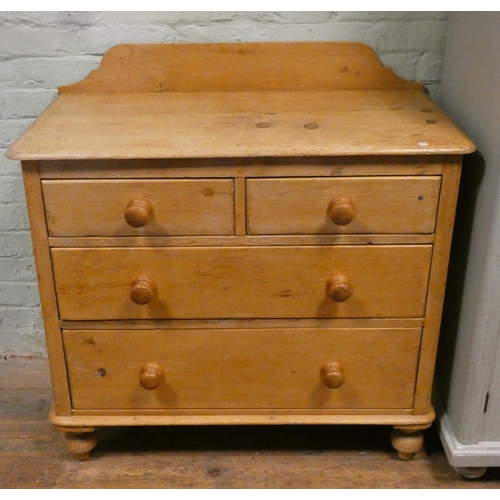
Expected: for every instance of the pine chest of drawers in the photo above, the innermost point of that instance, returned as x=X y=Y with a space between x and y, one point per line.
x=242 y=234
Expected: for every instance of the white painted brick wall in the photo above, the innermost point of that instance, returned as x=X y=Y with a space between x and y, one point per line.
x=41 y=50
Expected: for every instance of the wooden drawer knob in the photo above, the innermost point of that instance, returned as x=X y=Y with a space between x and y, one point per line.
x=332 y=375
x=342 y=211
x=150 y=376
x=142 y=291
x=339 y=287
x=138 y=212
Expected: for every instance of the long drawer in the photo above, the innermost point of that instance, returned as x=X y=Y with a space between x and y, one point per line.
x=343 y=205
x=169 y=207
x=241 y=282
x=258 y=369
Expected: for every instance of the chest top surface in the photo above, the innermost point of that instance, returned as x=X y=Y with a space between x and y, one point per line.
x=239 y=100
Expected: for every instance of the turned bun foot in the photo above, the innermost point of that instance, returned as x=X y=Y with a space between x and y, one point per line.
x=407 y=442
x=80 y=444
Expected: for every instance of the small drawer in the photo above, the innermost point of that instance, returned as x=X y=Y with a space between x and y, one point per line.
x=242 y=369
x=241 y=282
x=172 y=207
x=347 y=205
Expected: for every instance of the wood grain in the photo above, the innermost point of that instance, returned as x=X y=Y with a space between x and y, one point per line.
x=48 y=299
x=32 y=455
x=161 y=276
x=262 y=459
x=242 y=282
x=236 y=241
x=185 y=168
x=240 y=210
x=39 y=374
x=228 y=124
x=178 y=207
x=396 y=205
x=437 y=282
x=249 y=368
x=238 y=323
x=185 y=67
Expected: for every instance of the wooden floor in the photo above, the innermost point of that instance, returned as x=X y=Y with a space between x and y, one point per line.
x=32 y=454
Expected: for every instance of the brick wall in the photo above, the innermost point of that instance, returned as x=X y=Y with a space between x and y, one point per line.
x=41 y=50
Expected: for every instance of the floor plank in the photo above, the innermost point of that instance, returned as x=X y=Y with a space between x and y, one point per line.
x=261 y=457
x=20 y=473
x=33 y=374
x=32 y=453
x=25 y=404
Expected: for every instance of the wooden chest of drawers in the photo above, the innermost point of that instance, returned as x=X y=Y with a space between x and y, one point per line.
x=242 y=233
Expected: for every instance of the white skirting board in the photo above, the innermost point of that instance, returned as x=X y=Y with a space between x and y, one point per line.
x=482 y=454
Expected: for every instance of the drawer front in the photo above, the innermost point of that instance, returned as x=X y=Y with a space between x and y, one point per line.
x=356 y=205
x=241 y=282
x=193 y=207
x=221 y=369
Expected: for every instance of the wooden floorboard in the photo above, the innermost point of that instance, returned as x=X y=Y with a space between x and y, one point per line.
x=32 y=454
